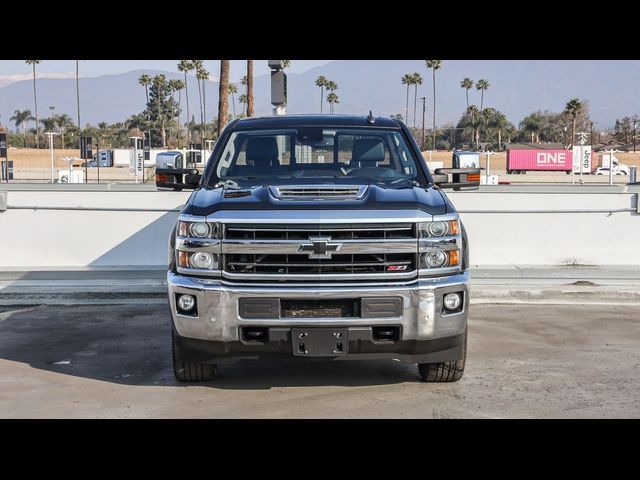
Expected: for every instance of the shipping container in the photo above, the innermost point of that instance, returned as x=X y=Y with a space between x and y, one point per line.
x=521 y=161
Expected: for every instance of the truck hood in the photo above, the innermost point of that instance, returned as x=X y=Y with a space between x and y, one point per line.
x=258 y=197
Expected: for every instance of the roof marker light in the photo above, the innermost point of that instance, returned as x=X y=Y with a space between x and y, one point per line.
x=370 y=118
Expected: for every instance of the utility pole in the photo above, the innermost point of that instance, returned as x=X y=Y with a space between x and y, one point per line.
x=610 y=166
x=424 y=110
x=278 y=87
x=489 y=153
x=50 y=135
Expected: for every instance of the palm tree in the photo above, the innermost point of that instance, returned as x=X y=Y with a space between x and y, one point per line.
x=467 y=84
x=233 y=89
x=332 y=98
x=321 y=82
x=331 y=87
x=186 y=66
x=482 y=85
x=416 y=79
x=21 y=117
x=223 y=96
x=145 y=81
x=250 y=109
x=243 y=100
x=501 y=124
x=48 y=124
x=33 y=64
x=573 y=108
x=434 y=65
x=176 y=86
x=406 y=80
x=197 y=66
x=488 y=115
x=201 y=76
x=474 y=113
x=63 y=121
x=532 y=124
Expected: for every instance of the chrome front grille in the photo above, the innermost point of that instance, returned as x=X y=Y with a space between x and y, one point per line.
x=338 y=231
x=320 y=252
x=319 y=192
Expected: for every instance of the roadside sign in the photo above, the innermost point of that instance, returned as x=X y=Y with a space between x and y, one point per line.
x=3 y=145
x=147 y=147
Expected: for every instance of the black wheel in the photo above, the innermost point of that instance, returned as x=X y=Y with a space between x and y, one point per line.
x=186 y=371
x=444 y=371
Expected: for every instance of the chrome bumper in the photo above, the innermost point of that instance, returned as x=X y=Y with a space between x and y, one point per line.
x=218 y=316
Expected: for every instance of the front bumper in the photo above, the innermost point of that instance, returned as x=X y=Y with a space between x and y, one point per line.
x=427 y=333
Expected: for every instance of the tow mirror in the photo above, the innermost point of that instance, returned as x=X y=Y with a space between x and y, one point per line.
x=457 y=178
x=177 y=178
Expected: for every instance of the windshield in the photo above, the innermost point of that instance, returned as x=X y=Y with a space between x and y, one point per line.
x=308 y=153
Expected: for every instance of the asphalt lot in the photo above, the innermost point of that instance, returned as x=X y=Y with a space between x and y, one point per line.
x=113 y=361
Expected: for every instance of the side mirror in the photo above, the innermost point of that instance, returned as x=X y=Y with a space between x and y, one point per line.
x=461 y=178
x=177 y=178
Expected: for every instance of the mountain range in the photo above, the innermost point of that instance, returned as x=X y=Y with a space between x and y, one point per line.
x=517 y=87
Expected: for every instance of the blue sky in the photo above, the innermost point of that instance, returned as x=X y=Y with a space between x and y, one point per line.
x=93 y=68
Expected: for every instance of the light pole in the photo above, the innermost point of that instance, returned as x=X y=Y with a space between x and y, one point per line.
x=489 y=153
x=424 y=110
x=51 y=134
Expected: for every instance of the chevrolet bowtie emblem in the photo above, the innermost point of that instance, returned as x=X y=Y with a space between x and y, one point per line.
x=319 y=248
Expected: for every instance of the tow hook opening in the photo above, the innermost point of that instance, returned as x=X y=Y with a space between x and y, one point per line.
x=255 y=334
x=386 y=334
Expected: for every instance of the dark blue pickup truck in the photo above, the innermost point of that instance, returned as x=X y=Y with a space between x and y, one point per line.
x=319 y=237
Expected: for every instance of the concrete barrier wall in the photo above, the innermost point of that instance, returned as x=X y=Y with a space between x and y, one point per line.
x=506 y=225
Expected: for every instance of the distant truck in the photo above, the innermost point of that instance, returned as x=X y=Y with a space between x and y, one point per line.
x=602 y=163
x=121 y=157
x=522 y=161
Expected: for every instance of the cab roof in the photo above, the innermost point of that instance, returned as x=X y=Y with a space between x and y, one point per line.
x=293 y=121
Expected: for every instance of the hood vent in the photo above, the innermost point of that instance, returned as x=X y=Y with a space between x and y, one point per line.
x=319 y=192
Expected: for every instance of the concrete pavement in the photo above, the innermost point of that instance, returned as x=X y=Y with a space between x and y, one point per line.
x=524 y=361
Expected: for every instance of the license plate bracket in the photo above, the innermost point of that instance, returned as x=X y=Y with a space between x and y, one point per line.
x=319 y=342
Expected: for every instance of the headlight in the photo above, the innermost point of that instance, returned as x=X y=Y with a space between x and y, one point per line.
x=198 y=229
x=436 y=258
x=439 y=228
x=203 y=261
x=199 y=260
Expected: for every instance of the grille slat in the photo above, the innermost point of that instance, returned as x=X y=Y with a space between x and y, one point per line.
x=335 y=231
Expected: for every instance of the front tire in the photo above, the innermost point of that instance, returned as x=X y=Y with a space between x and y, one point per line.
x=444 y=371
x=186 y=371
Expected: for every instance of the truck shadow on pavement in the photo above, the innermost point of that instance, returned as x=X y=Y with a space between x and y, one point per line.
x=131 y=345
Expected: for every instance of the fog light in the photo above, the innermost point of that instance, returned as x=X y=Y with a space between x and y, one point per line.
x=186 y=303
x=452 y=301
